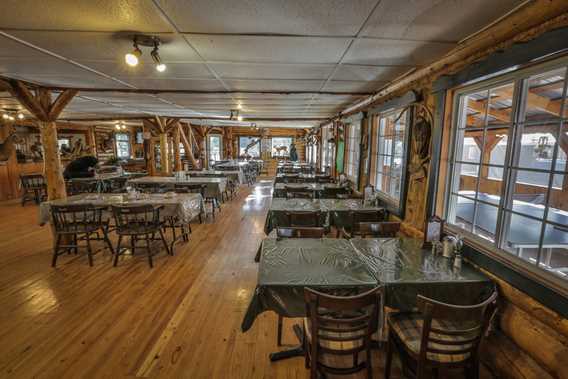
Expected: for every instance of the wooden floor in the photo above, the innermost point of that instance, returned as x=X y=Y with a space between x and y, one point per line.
x=180 y=319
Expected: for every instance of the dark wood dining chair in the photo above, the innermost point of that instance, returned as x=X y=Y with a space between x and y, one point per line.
x=300 y=232
x=335 y=192
x=385 y=229
x=439 y=336
x=298 y=192
x=140 y=223
x=34 y=188
x=355 y=218
x=303 y=218
x=75 y=223
x=338 y=331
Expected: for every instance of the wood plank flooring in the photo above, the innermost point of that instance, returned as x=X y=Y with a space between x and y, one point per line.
x=180 y=319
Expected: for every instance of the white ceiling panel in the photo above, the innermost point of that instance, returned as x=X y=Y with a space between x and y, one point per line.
x=369 y=73
x=395 y=52
x=85 y=80
x=176 y=84
x=269 y=48
x=94 y=15
x=305 y=17
x=86 y=46
x=147 y=69
x=274 y=85
x=434 y=20
x=272 y=71
x=353 y=86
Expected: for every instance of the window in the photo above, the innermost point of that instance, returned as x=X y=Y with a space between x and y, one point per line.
x=353 y=149
x=281 y=146
x=122 y=145
x=64 y=143
x=214 y=148
x=509 y=186
x=311 y=152
x=390 y=159
x=328 y=148
x=249 y=146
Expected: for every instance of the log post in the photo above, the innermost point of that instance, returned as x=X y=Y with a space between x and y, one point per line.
x=177 y=156
x=91 y=141
x=188 y=148
x=164 y=156
x=46 y=110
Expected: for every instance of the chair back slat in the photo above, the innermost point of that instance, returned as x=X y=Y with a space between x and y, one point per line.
x=130 y=217
x=303 y=218
x=300 y=232
x=70 y=217
x=384 y=229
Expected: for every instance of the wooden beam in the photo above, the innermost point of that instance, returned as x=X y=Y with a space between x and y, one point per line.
x=187 y=147
x=177 y=156
x=60 y=103
x=27 y=99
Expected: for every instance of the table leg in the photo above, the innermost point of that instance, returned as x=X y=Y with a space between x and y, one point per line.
x=297 y=351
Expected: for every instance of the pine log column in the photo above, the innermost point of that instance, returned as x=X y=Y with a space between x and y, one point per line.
x=39 y=102
x=177 y=156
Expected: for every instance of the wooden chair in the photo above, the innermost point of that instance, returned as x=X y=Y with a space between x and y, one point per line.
x=139 y=222
x=338 y=330
x=300 y=232
x=74 y=223
x=323 y=179
x=151 y=187
x=335 y=192
x=303 y=218
x=298 y=192
x=439 y=336
x=34 y=188
x=358 y=217
x=385 y=229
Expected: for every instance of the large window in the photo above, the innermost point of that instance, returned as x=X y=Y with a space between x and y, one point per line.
x=249 y=147
x=353 y=150
x=281 y=146
x=214 y=148
x=390 y=157
x=122 y=145
x=311 y=152
x=328 y=148
x=509 y=186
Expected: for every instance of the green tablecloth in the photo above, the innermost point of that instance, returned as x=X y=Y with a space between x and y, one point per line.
x=288 y=265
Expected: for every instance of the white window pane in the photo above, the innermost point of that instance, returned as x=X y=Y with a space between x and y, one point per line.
x=554 y=254
x=543 y=97
x=522 y=237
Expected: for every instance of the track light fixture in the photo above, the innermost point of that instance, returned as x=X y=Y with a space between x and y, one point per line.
x=12 y=114
x=133 y=58
x=160 y=67
x=119 y=125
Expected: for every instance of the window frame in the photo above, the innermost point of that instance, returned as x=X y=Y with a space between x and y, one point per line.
x=396 y=208
x=214 y=135
x=117 y=142
x=520 y=77
x=352 y=156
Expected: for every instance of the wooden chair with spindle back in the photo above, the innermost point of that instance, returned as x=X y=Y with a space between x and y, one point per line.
x=303 y=218
x=338 y=330
x=77 y=222
x=335 y=193
x=298 y=192
x=439 y=336
x=34 y=188
x=139 y=222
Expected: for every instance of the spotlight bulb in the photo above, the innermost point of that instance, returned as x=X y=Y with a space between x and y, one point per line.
x=240 y=118
x=132 y=58
x=5 y=116
x=239 y=106
x=21 y=116
x=161 y=67
x=123 y=126
x=117 y=127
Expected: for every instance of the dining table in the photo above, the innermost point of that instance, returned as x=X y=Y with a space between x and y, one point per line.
x=214 y=186
x=281 y=189
x=184 y=206
x=400 y=265
x=234 y=175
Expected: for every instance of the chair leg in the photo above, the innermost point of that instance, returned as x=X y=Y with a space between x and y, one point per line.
x=369 y=363
x=165 y=243
x=149 y=250
x=389 y=358
x=117 y=252
x=132 y=243
x=279 y=336
x=107 y=241
x=55 y=250
x=89 y=250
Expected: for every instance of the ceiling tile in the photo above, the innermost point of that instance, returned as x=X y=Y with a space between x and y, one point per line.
x=147 y=69
x=274 y=85
x=353 y=86
x=434 y=20
x=272 y=71
x=395 y=52
x=298 y=17
x=369 y=73
x=269 y=48
x=99 y=15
